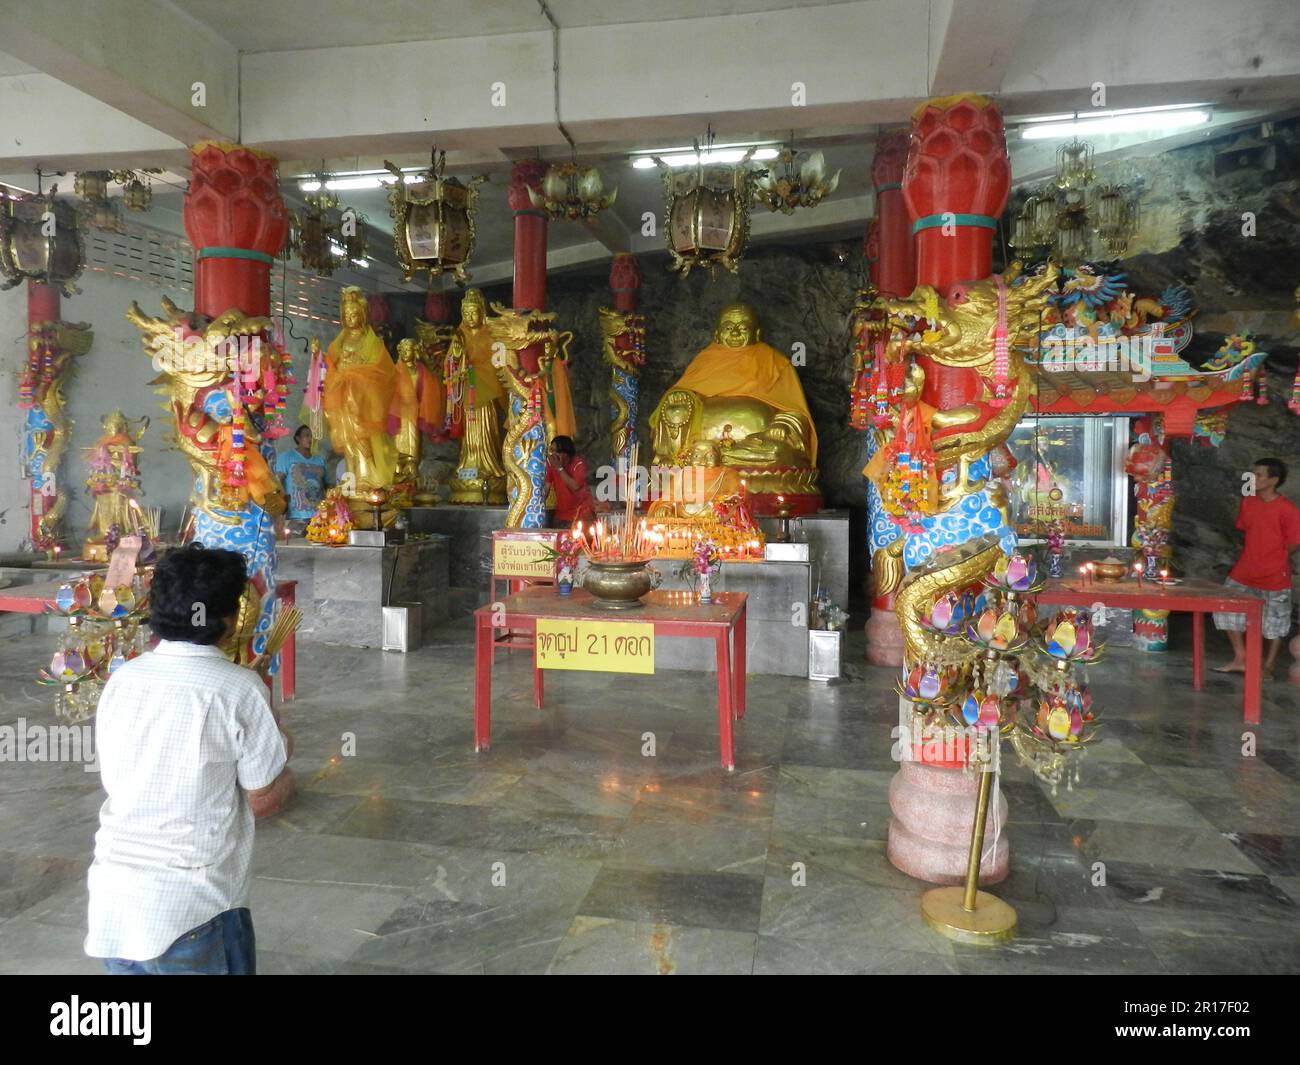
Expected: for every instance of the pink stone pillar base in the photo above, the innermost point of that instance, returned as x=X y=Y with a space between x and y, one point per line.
x=934 y=812
x=884 y=638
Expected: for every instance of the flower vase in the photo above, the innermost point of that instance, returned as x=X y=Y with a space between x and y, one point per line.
x=705 y=589
x=1151 y=568
x=1055 y=563
x=564 y=580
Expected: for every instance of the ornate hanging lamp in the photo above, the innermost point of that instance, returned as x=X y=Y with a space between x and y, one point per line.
x=572 y=192
x=325 y=236
x=707 y=211
x=433 y=221
x=784 y=188
x=39 y=240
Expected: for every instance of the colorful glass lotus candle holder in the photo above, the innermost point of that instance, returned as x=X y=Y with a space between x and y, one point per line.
x=947 y=616
x=997 y=629
x=1069 y=637
x=1017 y=575
x=927 y=687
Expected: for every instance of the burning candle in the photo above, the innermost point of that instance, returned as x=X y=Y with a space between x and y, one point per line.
x=1164 y=576
x=1137 y=570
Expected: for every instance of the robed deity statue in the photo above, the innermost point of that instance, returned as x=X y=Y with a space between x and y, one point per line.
x=416 y=411
x=114 y=483
x=476 y=404
x=744 y=396
x=360 y=379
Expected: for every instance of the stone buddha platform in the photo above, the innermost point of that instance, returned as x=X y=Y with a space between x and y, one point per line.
x=342 y=590
x=468 y=530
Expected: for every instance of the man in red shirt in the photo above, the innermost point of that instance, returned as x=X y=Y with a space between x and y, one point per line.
x=1271 y=523
x=566 y=474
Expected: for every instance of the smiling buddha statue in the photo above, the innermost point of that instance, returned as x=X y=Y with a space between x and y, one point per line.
x=745 y=397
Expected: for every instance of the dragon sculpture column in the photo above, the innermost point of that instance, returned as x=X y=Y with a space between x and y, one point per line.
x=52 y=344
x=223 y=380
x=622 y=335
x=966 y=387
x=893 y=273
x=524 y=446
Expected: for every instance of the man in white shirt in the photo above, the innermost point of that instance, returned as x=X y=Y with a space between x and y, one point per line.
x=189 y=752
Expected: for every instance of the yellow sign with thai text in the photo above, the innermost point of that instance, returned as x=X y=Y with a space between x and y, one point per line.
x=522 y=558
x=595 y=646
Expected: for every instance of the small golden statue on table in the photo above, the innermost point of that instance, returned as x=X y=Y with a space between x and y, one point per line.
x=114 y=483
x=743 y=397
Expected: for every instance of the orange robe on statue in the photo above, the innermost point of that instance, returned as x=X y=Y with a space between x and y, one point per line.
x=757 y=371
x=358 y=393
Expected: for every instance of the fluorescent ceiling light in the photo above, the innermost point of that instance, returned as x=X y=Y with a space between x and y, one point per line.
x=1154 y=120
x=376 y=180
x=718 y=155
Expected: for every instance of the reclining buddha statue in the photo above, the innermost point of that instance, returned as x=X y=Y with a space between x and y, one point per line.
x=743 y=396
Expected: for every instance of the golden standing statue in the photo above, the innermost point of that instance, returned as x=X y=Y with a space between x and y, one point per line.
x=114 y=482
x=359 y=381
x=745 y=397
x=476 y=402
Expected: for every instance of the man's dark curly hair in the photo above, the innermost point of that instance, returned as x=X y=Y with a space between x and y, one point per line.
x=187 y=579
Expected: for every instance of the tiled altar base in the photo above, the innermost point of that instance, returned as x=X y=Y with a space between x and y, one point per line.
x=619 y=863
x=342 y=590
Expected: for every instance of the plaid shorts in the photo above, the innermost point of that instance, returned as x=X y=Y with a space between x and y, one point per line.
x=1277 y=612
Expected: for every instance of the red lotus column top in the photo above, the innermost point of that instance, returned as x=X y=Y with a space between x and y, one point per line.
x=894 y=272
x=237 y=222
x=625 y=280
x=956 y=184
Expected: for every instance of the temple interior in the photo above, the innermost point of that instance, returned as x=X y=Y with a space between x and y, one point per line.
x=744 y=487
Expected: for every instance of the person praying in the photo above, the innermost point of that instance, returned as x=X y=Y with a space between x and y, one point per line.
x=566 y=474
x=1271 y=523
x=303 y=476
x=190 y=753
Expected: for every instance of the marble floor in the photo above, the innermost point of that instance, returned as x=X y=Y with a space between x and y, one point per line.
x=566 y=849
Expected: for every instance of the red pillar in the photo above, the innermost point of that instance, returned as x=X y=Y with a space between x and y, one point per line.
x=530 y=245
x=625 y=280
x=237 y=222
x=43 y=309
x=895 y=267
x=438 y=308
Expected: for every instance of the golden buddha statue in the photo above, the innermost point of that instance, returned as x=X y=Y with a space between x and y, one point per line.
x=114 y=482
x=691 y=490
x=359 y=382
x=745 y=397
x=476 y=402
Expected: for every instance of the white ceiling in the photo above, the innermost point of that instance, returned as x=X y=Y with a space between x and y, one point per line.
x=289 y=25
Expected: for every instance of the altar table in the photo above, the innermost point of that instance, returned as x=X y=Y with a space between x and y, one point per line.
x=39 y=599
x=722 y=621
x=1197 y=597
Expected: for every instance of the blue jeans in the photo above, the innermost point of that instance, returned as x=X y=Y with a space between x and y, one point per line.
x=225 y=946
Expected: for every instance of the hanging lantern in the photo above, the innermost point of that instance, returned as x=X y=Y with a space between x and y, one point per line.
x=39 y=241
x=137 y=193
x=782 y=188
x=433 y=221
x=707 y=213
x=569 y=191
x=92 y=185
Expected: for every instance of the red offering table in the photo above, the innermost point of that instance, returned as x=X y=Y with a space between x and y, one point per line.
x=722 y=621
x=1196 y=597
x=39 y=599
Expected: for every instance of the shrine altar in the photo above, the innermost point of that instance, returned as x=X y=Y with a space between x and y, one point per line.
x=1196 y=597
x=722 y=621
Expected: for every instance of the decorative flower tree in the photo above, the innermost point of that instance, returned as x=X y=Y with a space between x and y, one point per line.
x=985 y=681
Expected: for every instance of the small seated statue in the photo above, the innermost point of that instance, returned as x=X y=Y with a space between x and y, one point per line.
x=743 y=397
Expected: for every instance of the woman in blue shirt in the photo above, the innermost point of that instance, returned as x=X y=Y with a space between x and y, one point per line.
x=303 y=476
